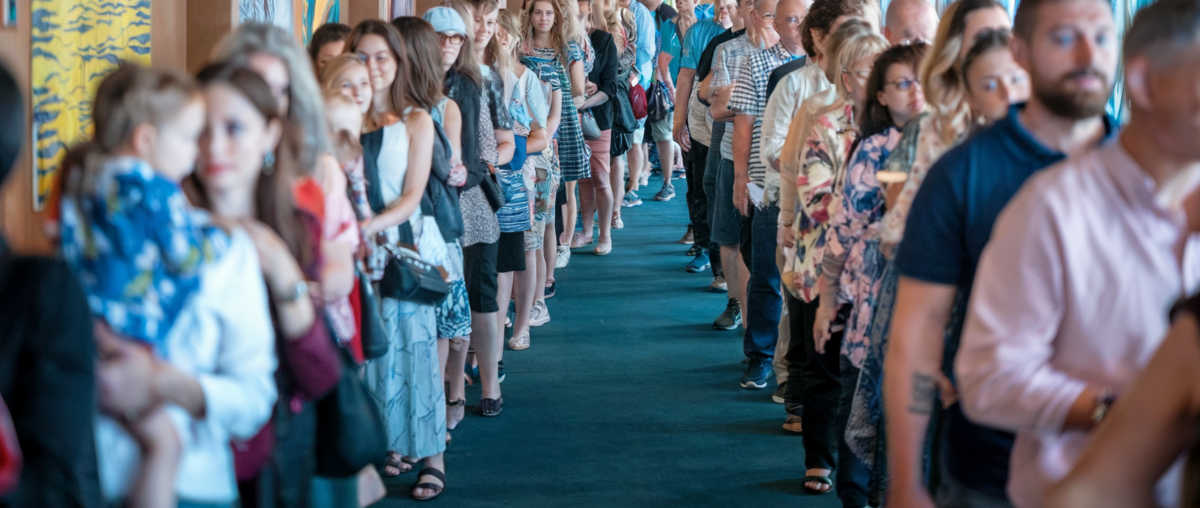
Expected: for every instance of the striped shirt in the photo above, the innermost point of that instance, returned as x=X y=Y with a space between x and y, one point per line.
x=750 y=98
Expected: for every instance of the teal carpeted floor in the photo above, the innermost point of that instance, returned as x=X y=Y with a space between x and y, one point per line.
x=627 y=397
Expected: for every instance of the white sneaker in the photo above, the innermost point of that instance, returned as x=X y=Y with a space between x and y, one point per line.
x=539 y=315
x=564 y=256
x=718 y=285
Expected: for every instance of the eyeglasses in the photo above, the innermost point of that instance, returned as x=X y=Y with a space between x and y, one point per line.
x=455 y=40
x=904 y=85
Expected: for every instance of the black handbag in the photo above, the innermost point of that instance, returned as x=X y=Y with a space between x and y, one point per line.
x=660 y=102
x=442 y=196
x=405 y=276
x=375 y=342
x=493 y=192
x=350 y=431
x=623 y=119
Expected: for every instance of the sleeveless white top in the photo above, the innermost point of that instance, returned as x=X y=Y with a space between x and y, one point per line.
x=393 y=163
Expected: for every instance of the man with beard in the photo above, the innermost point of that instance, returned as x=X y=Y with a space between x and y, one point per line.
x=1069 y=48
x=1072 y=294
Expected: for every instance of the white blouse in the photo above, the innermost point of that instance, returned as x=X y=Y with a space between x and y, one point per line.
x=224 y=339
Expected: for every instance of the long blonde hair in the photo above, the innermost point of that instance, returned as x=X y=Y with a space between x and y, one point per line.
x=618 y=18
x=572 y=30
x=941 y=79
x=505 y=61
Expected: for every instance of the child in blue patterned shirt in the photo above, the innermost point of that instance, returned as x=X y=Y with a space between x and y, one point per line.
x=128 y=229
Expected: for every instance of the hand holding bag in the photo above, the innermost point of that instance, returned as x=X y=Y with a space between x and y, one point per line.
x=660 y=103
x=591 y=129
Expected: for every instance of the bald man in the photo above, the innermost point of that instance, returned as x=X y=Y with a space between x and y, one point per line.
x=909 y=21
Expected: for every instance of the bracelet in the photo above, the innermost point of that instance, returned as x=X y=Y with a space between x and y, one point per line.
x=786 y=223
x=298 y=291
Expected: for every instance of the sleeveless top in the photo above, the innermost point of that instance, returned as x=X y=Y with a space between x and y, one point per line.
x=393 y=163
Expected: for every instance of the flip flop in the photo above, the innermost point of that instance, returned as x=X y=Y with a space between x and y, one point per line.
x=819 y=479
x=396 y=460
x=603 y=249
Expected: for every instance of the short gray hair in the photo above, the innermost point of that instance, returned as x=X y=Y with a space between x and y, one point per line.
x=1162 y=30
x=305 y=106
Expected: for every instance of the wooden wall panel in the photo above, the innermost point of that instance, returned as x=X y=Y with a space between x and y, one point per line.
x=358 y=10
x=168 y=33
x=22 y=228
x=207 y=21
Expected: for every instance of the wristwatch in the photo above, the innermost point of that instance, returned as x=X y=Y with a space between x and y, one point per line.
x=297 y=291
x=1104 y=402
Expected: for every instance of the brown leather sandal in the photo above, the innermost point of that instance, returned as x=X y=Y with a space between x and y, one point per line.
x=437 y=489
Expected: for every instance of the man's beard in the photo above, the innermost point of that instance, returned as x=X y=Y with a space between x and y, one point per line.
x=1074 y=105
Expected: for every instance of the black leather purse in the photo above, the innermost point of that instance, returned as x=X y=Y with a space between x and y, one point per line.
x=409 y=278
x=375 y=342
x=406 y=276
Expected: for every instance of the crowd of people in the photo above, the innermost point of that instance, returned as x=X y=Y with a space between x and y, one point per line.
x=282 y=275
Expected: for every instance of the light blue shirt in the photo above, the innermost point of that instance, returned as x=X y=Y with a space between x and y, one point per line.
x=643 y=20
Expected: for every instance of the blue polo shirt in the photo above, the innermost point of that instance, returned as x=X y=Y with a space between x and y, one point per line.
x=950 y=223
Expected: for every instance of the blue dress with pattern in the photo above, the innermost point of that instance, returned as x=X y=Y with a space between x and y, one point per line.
x=573 y=154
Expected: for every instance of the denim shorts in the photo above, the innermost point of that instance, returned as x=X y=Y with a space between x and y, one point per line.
x=726 y=220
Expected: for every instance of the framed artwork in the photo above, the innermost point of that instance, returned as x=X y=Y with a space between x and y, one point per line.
x=75 y=44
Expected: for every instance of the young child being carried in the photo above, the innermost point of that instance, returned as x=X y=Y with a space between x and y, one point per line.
x=127 y=227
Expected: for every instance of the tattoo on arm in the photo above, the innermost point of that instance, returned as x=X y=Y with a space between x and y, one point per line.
x=924 y=393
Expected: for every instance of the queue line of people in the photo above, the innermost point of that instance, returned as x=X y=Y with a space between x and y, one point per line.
x=248 y=241
x=956 y=265
x=875 y=203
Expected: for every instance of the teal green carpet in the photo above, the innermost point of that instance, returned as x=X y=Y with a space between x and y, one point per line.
x=627 y=397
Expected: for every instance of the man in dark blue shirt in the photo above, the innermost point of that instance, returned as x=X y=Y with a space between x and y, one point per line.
x=1072 y=64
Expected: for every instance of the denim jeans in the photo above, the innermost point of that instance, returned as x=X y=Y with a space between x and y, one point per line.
x=764 y=304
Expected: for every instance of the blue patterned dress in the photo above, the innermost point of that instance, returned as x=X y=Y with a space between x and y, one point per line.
x=573 y=154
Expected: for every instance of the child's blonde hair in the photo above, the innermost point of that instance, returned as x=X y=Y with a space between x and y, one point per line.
x=336 y=66
x=134 y=95
x=345 y=144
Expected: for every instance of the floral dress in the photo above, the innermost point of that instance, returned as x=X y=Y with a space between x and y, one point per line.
x=573 y=154
x=852 y=260
x=817 y=187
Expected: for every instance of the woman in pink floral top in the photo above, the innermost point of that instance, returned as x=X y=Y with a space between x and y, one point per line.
x=852 y=264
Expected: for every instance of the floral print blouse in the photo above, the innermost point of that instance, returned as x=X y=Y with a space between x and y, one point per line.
x=825 y=154
x=852 y=261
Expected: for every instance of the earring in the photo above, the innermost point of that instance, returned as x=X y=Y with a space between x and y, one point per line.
x=269 y=163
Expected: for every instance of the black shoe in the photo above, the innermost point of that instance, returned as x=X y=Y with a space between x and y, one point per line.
x=731 y=318
x=550 y=289
x=781 y=393
x=757 y=374
x=491 y=407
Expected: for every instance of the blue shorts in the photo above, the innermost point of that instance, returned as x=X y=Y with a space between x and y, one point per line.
x=726 y=220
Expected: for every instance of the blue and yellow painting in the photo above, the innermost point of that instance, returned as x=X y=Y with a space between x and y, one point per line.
x=317 y=13
x=76 y=43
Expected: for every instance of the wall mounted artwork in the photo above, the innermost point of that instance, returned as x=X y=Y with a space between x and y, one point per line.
x=76 y=43
x=317 y=13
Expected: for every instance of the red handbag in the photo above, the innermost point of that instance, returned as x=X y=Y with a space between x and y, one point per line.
x=10 y=453
x=637 y=101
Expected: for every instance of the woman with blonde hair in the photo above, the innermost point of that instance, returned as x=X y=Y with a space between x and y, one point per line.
x=348 y=75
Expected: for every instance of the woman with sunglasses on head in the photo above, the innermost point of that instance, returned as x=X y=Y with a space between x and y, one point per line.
x=407 y=380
